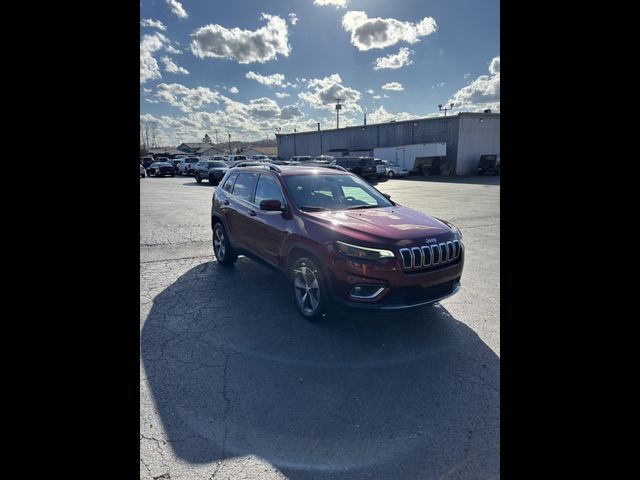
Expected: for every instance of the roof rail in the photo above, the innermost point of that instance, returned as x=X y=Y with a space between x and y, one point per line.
x=336 y=167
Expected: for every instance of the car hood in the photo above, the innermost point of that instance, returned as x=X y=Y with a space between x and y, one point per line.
x=397 y=225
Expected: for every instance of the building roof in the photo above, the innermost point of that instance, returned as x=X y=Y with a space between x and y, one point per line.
x=397 y=122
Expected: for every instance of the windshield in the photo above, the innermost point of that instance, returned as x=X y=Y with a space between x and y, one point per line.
x=333 y=192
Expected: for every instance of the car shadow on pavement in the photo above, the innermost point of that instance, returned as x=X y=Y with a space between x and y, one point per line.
x=234 y=370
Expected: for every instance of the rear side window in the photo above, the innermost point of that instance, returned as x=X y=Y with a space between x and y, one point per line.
x=243 y=187
x=228 y=184
x=268 y=189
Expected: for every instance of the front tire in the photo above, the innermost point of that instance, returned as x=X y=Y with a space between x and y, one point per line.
x=224 y=252
x=391 y=174
x=198 y=179
x=308 y=287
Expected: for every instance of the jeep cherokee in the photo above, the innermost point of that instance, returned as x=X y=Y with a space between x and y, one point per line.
x=339 y=240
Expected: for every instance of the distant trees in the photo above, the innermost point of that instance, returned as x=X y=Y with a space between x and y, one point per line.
x=206 y=139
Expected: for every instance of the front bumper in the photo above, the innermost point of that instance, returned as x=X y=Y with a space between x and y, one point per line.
x=401 y=289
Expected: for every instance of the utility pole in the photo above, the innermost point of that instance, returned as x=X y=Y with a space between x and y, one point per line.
x=230 y=152
x=338 y=108
x=216 y=130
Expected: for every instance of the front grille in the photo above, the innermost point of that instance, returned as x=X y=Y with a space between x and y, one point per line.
x=430 y=256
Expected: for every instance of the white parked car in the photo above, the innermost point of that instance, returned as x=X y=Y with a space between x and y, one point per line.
x=187 y=165
x=260 y=158
x=394 y=170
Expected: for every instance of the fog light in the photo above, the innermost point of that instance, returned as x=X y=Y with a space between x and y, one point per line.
x=366 y=291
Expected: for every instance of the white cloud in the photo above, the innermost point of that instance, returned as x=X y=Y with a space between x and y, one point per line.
x=466 y=75
x=177 y=8
x=282 y=94
x=147 y=90
x=371 y=91
x=326 y=90
x=482 y=93
x=243 y=46
x=275 y=79
x=336 y=3
x=368 y=33
x=393 y=86
x=293 y=18
x=263 y=108
x=377 y=97
x=234 y=90
x=148 y=22
x=171 y=67
x=385 y=96
x=381 y=115
x=150 y=44
x=186 y=99
x=290 y=111
x=393 y=61
x=438 y=85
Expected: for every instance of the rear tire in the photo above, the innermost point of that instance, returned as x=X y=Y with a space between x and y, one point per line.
x=224 y=252
x=309 y=288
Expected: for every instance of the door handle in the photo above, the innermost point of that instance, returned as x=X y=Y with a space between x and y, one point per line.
x=252 y=213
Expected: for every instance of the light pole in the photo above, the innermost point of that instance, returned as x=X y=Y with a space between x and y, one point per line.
x=230 y=152
x=446 y=126
x=338 y=108
x=216 y=131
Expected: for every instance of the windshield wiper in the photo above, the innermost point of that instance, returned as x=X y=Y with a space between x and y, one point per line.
x=313 y=209
x=361 y=206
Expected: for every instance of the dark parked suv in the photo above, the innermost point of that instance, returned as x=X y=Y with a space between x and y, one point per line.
x=362 y=166
x=212 y=171
x=339 y=240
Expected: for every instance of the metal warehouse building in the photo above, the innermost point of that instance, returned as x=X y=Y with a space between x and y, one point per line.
x=467 y=136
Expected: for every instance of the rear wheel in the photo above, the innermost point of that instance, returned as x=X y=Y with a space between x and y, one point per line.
x=308 y=288
x=225 y=254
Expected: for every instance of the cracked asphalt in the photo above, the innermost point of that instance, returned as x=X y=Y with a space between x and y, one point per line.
x=234 y=384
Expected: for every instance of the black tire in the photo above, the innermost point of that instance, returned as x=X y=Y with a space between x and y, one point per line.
x=173 y=174
x=480 y=172
x=198 y=179
x=391 y=174
x=224 y=252
x=212 y=180
x=309 y=289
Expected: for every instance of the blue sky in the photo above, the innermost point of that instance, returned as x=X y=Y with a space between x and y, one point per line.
x=251 y=67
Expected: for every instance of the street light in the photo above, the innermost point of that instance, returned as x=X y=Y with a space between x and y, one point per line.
x=338 y=108
x=445 y=109
x=230 y=152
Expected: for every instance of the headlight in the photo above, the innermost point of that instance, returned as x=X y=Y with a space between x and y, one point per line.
x=363 y=253
x=455 y=230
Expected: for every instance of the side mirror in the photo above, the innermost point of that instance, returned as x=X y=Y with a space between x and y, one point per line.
x=387 y=195
x=271 y=205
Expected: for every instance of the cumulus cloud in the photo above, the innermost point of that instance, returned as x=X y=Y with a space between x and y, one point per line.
x=371 y=91
x=381 y=115
x=171 y=67
x=282 y=94
x=290 y=111
x=325 y=91
x=263 y=108
x=177 y=8
x=234 y=90
x=293 y=18
x=243 y=46
x=184 y=98
x=149 y=45
x=482 y=93
x=377 y=97
x=148 y=22
x=395 y=60
x=336 y=3
x=368 y=33
x=393 y=86
x=466 y=75
x=275 y=79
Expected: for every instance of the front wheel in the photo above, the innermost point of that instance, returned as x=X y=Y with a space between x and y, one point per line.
x=391 y=174
x=308 y=288
x=198 y=178
x=225 y=254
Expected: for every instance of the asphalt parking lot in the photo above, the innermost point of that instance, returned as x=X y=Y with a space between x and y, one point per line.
x=235 y=384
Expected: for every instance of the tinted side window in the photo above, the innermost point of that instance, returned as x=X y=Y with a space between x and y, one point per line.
x=228 y=184
x=244 y=185
x=268 y=189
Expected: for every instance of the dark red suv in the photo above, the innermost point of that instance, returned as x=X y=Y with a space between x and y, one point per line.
x=338 y=239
